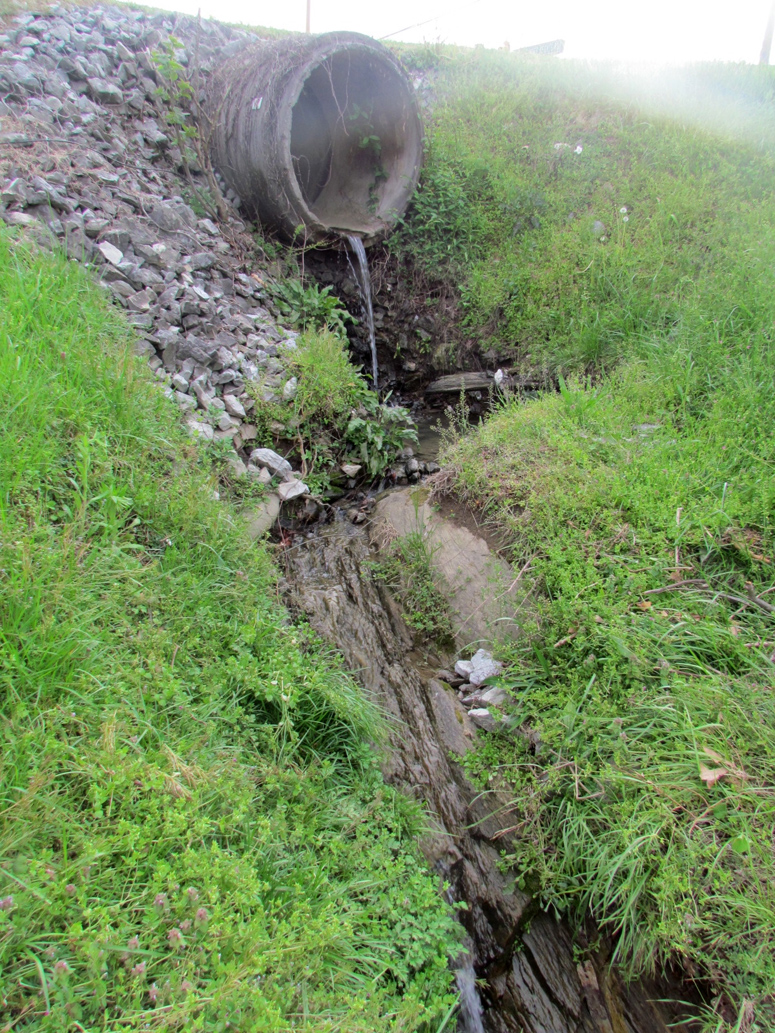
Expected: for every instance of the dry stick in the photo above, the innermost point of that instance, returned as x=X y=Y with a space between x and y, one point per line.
x=678 y=584
x=752 y=600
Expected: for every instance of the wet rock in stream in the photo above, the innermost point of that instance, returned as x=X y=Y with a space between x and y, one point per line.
x=533 y=984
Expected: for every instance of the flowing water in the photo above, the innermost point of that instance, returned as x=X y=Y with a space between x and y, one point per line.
x=363 y=279
x=525 y=958
x=470 y=1018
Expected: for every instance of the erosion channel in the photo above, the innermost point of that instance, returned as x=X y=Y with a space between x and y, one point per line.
x=530 y=979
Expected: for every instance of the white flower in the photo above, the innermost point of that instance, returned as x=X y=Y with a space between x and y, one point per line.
x=622 y=211
x=625 y=218
x=578 y=149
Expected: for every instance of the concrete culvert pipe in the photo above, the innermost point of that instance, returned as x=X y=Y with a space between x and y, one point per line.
x=318 y=135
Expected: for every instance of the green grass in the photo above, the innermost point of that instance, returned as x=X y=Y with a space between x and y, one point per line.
x=640 y=496
x=506 y=211
x=194 y=834
x=406 y=566
x=334 y=416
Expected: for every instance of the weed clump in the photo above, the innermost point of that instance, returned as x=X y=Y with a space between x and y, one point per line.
x=406 y=567
x=333 y=417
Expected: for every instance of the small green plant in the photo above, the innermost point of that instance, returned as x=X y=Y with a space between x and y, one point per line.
x=334 y=417
x=311 y=307
x=377 y=432
x=177 y=96
x=407 y=569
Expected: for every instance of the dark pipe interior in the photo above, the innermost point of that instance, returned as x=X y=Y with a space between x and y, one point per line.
x=349 y=140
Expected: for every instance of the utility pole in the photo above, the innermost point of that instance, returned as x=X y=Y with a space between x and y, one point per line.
x=309 y=18
x=764 y=57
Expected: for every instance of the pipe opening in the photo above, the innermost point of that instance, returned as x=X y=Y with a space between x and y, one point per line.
x=354 y=145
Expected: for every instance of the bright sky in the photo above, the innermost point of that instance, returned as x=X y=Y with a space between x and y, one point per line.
x=673 y=31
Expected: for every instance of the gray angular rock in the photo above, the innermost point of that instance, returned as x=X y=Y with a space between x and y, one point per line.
x=104 y=91
x=234 y=407
x=172 y=215
x=261 y=519
x=494 y=696
x=274 y=462
x=110 y=253
x=199 y=429
x=140 y=302
x=292 y=489
x=202 y=260
x=483 y=719
x=463 y=668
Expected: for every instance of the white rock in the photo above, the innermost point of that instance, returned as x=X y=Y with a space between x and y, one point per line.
x=290 y=388
x=266 y=457
x=483 y=667
x=463 y=668
x=351 y=469
x=110 y=253
x=291 y=489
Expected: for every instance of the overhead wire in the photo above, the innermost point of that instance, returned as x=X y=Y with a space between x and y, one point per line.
x=443 y=14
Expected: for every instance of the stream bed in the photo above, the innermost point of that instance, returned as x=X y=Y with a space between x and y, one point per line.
x=521 y=974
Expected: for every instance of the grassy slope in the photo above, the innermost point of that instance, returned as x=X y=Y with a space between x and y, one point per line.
x=193 y=834
x=650 y=797
x=510 y=214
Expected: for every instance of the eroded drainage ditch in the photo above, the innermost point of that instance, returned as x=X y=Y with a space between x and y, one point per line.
x=519 y=974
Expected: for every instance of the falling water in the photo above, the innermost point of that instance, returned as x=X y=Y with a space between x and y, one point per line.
x=364 y=284
x=470 y=1016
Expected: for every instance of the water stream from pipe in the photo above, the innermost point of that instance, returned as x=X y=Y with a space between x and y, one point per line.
x=470 y=1016
x=363 y=279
